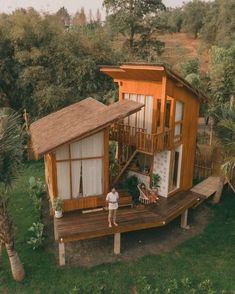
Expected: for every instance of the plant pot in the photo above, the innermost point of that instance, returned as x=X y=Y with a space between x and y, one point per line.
x=58 y=213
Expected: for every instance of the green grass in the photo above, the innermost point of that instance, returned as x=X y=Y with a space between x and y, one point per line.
x=210 y=255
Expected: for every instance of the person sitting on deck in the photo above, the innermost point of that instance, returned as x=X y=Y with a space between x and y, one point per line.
x=112 y=200
x=152 y=196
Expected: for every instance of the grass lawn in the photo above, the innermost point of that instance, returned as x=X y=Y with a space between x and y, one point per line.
x=209 y=256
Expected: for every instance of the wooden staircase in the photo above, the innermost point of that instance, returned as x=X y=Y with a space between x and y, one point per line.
x=125 y=167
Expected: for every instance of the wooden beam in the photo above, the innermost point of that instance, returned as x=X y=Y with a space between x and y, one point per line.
x=117 y=243
x=184 y=220
x=55 y=230
x=61 y=253
x=163 y=104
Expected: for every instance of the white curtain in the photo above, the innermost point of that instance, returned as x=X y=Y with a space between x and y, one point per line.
x=63 y=180
x=126 y=97
x=132 y=119
x=178 y=111
x=148 y=113
x=92 y=176
x=76 y=150
x=62 y=152
x=93 y=146
x=76 y=177
x=140 y=114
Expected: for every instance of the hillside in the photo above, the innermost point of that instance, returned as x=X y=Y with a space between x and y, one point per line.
x=179 y=47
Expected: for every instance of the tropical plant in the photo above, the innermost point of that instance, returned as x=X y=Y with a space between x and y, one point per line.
x=11 y=150
x=225 y=130
x=37 y=239
x=155 y=180
x=57 y=204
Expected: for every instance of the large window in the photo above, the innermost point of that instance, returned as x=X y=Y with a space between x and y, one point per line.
x=143 y=118
x=179 y=113
x=80 y=168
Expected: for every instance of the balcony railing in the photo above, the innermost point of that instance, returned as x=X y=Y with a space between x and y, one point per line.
x=139 y=138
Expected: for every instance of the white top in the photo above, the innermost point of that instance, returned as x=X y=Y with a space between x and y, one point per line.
x=112 y=199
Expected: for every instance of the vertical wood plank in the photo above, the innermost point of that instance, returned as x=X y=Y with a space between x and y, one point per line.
x=184 y=220
x=55 y=230
x=117 y=243
x=163 y=103
x=61 y=253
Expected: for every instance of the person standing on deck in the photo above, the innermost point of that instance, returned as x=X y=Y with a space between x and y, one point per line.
x=112 y=200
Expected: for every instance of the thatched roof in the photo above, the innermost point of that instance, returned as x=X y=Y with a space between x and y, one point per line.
x=77 y=121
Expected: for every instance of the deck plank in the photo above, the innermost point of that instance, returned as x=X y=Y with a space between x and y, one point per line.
x=78 y=226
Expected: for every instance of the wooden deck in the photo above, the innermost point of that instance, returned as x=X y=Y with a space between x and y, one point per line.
x=78 y=226
x=207 y=187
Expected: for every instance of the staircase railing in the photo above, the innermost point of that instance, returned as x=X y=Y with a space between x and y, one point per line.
x=139 y=138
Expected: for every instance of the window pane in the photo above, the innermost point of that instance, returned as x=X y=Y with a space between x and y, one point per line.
x=92 y=177
x=179 y=111
x=76 y=178
x=76 y=150
x=148 y=113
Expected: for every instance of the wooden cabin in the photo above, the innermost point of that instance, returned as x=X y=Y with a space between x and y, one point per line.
x=75 y=144
x=154 y=127
x=161 y=137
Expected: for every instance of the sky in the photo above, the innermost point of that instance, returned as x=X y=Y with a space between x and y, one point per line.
x=72 y=5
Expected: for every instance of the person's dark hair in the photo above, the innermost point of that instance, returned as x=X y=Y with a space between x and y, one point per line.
x=113 y=188
x=142 y=185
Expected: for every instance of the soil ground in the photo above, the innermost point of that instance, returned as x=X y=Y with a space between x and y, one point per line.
x=136 y=244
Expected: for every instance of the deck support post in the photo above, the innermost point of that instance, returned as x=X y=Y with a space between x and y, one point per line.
x=61 y=253
x=55 y=230
x=117 y=243
x=184 y=220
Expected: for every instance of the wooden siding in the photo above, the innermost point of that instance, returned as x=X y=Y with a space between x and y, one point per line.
x=189 y=131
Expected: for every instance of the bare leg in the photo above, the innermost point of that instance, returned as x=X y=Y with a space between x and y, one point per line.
x=114 y=217
x=110 y=218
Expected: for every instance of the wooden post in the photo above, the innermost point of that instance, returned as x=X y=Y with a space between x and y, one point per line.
x=55 y=230
x=117 y=243
x=61 y=253
x=184 y=220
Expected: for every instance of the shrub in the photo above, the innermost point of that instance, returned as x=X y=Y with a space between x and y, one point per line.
x=131 y=185
x=37 y=238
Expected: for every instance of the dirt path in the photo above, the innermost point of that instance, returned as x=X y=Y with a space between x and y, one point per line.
x=136 y=244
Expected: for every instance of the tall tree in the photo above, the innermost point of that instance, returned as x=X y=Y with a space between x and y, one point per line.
x=11 y=150
x=63 y=15
x=80 y=17
x=194 y=14
x=129 y=17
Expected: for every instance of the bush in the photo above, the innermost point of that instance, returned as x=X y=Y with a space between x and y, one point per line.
x=131 y=185
x=37 y=238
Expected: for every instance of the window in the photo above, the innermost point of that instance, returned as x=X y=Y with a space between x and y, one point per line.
x=179 y=113
x=143 y=118
x=80 y=168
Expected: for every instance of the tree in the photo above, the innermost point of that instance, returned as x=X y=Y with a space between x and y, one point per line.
x=11 y=150
x=129 y=17
x=98 y=16
x=218 y=28
x=194 y=14
x=80 y=17
x=224 y=119
x=63 y=15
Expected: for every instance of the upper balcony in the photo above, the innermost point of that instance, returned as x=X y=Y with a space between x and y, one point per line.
x=139 y=138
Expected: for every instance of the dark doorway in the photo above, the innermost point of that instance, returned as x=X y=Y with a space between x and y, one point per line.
x=176 y=168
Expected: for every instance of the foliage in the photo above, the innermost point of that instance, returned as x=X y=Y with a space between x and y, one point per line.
x=45 y=66
x=133 y=18
x=189 y=66
x=224 y=119
x=36 y=191
x=131 y=184
x=194 y=14
x=222 y=76
x=11 y=147
x=37 y=238
x=218 y=25
x=57 y=203
x=197 y=256
x=155 y=180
